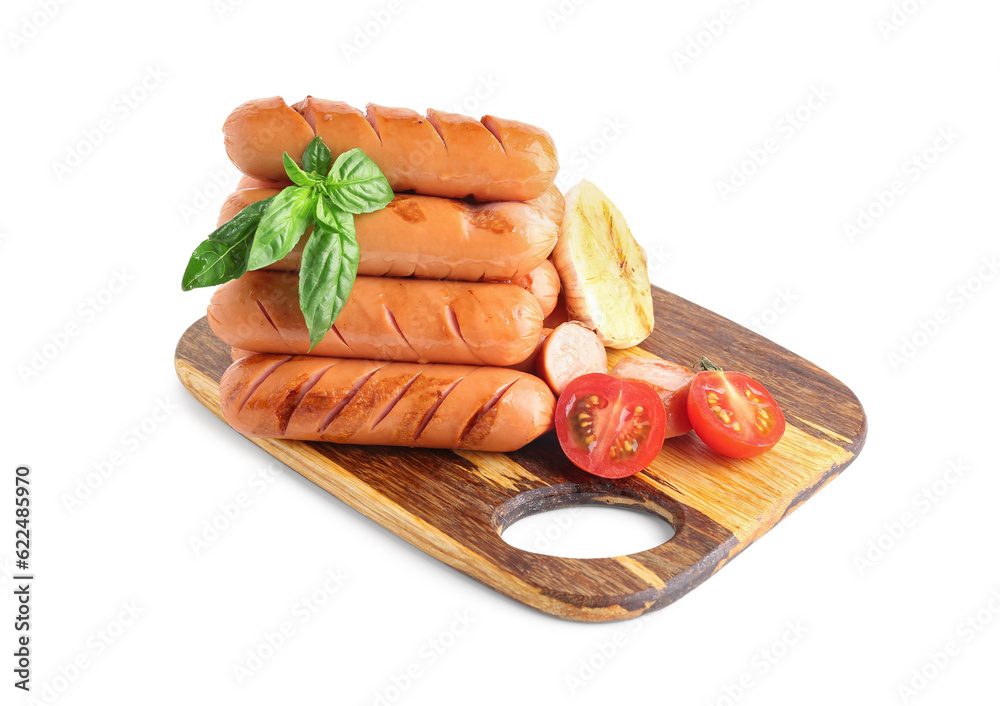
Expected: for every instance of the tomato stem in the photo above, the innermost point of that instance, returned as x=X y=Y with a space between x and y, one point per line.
x=705 y=364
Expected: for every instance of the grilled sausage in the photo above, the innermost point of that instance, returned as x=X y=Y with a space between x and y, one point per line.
x=528 y=365
x=543 y=282
x=442 y=154
x=434 y=238
x=238 y=353
x=249 y=182
x=552 y=203
x=395 y=404
x=469 y=323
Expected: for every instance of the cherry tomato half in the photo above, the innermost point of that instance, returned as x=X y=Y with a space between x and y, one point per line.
x=732 y=413
x=610 y=427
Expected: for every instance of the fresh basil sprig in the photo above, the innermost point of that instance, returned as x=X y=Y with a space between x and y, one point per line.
x=329 y=266
x=223 y=256
x=325 y=197
x=289 y=215
x=297 y=175
x=357 y=185
x=317 y=157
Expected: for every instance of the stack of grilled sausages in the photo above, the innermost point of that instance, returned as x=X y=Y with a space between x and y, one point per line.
x=453 y=285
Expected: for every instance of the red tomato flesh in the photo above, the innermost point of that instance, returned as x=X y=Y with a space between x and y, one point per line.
x=733 y=414
x=610 y=427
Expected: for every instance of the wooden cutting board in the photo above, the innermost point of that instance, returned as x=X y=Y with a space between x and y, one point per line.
x=454 y=505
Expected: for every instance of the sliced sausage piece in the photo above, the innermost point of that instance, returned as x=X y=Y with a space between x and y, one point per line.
x=671 y=382
x=543 y=282
x=395 y=404
x=468 y=323
x=238 y=353
x=571 y=350
x=434 y=238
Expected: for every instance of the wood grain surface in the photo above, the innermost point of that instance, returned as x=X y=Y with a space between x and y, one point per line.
x=454 y=505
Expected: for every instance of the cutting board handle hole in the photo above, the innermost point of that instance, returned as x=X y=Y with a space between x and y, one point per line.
x=582 y=525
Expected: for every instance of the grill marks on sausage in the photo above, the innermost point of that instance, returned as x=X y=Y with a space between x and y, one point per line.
x=494 y=129
x=338 y=334
x=332 y=415
x=434 y=408
x=452 y=317
x=263 y=310
x=489 y=219
x=483 y=410
x=294 y=396
x=408 y=209
x=481 y=217
x=435 y=122
x=453 y=321
x=373 y=121
x=394 y=401
x=355 y=401
x=300 y=108
x=252 y=387
x=391 y=318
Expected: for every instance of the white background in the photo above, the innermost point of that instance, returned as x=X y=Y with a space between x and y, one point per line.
x=139 y=199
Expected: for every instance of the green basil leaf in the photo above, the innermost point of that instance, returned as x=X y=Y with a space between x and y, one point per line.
x=223 y=256
x=297 y=175
x=317 y=157
x=329 y=267
x=286 y=220
x=356 y=184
